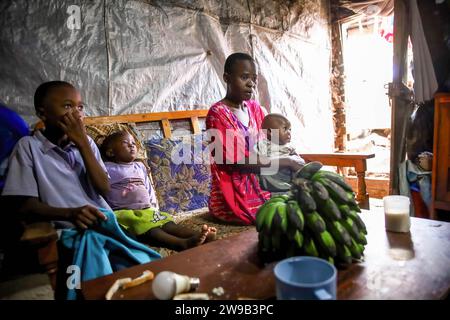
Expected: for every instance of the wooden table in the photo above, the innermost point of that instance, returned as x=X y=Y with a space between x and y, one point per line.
x=414 y=265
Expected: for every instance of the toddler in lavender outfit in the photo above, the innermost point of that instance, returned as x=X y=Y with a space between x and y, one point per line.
x=133 y=199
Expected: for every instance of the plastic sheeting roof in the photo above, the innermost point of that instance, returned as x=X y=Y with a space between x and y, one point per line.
x=149 y=56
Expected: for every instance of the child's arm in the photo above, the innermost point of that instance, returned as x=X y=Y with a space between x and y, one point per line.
x=249 y=163
x=30 y=207
x=73 y=126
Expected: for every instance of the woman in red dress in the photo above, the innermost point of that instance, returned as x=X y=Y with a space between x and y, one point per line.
x=234 y=124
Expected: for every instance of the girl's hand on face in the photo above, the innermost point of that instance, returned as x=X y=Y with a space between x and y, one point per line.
x=72 y=125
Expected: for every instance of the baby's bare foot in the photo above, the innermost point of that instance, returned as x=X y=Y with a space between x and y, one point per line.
x=212 y=234
x=198 y=239
x=203 y=234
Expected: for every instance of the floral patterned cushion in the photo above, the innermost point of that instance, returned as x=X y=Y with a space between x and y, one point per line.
x=181 y=176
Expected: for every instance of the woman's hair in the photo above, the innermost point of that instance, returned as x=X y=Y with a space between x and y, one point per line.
x=233 y=58
x=108 y=141
x=43 y=90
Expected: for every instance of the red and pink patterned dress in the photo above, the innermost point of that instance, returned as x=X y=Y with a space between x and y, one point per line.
x=235 y=195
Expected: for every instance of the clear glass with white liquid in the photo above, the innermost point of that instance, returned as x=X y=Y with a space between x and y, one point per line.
x=396 y=213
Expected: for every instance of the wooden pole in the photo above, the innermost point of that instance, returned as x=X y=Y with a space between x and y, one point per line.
x=399 y=93
x=337 y=82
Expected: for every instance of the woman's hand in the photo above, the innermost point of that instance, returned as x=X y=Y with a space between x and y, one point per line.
x=73 y=126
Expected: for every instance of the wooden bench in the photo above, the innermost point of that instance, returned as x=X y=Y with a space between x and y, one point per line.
x=356 y=160
x=48 y=253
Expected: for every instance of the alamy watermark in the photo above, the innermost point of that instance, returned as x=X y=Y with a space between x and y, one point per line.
x=74 y=280
x=74 y=19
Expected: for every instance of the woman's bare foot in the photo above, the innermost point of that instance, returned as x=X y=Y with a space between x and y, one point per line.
x=198 y=239
x=212 y=234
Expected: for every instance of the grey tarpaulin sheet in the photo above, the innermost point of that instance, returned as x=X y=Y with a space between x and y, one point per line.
x=149 y=56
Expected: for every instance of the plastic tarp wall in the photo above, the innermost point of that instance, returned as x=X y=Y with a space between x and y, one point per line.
x=149 y=56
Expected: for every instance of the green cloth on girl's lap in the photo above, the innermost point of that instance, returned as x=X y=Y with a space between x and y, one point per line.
x=140 y=221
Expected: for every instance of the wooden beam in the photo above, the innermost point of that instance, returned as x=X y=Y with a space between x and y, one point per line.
x=355 y=160
x=166 y=128
x=399 y=93
x=376 y=187
x=337 y=81
x=195 y=125
x=44 y=237
x=146 y=117
x=440 y=194
x=143 y=117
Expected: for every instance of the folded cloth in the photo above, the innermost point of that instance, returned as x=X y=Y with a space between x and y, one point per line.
x=102 y=250
x=410 y=173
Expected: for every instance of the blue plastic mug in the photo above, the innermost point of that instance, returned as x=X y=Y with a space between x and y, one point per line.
x=305 y=278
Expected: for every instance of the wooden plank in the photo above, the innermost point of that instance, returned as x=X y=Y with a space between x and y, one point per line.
x=338 y=155
x=356 y=160
x=39 y=232
x=140 y=117
x=398 y=90
x=376 y=187
x=440 y=192
x=195 y=125
x=337 y=82
x=146 y=117
x=443 y=152
x=437 y=100
x=48 y=258
x=166 y=128
x=442 y=97
x=442 y=205
x=393 y=266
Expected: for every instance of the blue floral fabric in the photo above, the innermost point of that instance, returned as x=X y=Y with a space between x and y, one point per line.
x=181 y=172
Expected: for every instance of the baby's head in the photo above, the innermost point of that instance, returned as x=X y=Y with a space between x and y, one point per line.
x=279 y=126
x=119 y=147
x=53 y=99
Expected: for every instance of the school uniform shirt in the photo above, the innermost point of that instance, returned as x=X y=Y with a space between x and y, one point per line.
x=130 y=186
x=57 y=176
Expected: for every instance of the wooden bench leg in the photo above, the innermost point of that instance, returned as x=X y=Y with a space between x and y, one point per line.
x=48 y=259
x=43 y=237
x=362 y=196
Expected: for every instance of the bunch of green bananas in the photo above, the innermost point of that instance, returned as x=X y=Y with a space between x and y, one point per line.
x=318 y=217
